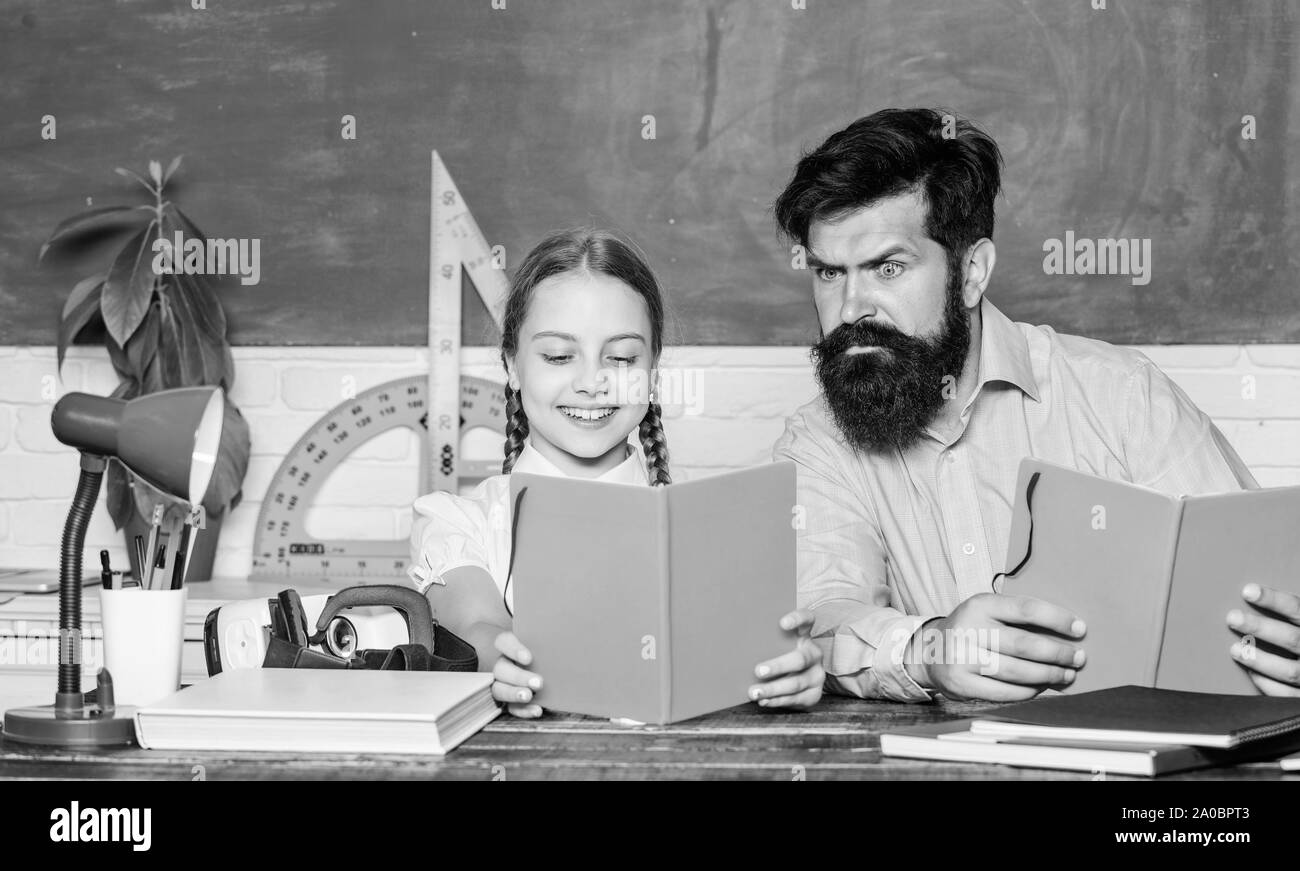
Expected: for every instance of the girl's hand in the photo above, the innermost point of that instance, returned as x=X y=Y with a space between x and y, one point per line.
x=513 y=684
x=1274 y=618
x=793 y=680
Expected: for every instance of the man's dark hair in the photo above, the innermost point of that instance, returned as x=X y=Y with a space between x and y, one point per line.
x=898 y=151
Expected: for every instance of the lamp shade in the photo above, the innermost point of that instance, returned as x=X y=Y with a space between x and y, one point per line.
x=169 y=438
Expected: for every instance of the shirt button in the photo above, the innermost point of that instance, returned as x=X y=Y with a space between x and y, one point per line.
x=952 y=458
x=968 y=548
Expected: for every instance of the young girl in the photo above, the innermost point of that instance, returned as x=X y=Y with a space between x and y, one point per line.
x=582 y=304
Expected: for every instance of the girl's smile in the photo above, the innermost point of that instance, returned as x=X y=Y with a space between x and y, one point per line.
x=592 y=417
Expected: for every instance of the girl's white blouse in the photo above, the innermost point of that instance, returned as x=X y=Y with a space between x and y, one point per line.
x=449 y=531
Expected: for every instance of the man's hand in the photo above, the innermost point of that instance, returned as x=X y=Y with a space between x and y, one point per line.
x=792 y=680
x=1273 y=618
x=994 y=647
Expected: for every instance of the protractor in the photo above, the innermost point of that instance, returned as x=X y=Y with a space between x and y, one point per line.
x=281 y=545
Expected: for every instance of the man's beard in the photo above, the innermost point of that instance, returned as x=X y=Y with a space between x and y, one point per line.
x=884 y=399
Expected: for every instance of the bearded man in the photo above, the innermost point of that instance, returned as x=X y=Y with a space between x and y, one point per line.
x=930 y=397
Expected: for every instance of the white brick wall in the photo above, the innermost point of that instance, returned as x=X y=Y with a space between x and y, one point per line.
x=744 y=395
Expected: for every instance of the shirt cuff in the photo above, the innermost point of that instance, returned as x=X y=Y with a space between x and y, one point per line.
x=888 y=661
x=424 y=577
x=876 y=670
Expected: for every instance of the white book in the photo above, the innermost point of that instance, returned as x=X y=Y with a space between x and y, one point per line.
x=955 y=742
x=303 y=710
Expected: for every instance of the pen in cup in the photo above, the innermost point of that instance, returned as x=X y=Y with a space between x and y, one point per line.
x=140 y=558
x=182 y=551
x=151 y=548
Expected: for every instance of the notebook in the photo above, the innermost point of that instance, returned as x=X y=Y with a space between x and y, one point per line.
x=1153 y=575
x=1148 y=716
x=955 y=742
x=653 y=604
x=303 y=710
x=36 y=580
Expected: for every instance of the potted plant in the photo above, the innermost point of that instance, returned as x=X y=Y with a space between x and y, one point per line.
x=163 y=329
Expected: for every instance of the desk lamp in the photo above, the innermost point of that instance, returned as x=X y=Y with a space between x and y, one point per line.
x=170 y=440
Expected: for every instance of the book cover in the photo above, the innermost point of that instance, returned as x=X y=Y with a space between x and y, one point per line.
x=321 y=710
x=1227 y=541
x=955 y=741
x=653 y=603
x=1152 y=574
x=1135 y=714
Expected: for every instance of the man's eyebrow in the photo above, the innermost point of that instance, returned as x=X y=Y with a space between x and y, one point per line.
x=889 y=253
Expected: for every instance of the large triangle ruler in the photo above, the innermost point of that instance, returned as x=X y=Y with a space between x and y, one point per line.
x=438 y=406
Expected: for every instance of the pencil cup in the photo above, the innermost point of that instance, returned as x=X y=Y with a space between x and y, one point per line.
x=144 y=633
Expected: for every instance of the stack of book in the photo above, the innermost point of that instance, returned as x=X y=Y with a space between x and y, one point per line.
x=1127 y=730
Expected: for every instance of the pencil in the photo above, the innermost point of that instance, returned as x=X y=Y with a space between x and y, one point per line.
x=182 y=548
x=139 y=558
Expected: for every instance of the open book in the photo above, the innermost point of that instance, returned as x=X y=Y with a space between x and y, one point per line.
x=1153 y=575
x=653 y=603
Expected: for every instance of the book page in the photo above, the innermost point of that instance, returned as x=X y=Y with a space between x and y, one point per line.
x=1227 y=541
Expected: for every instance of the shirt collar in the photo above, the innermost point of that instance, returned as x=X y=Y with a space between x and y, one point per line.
x=1004 y=352
x=630 y=471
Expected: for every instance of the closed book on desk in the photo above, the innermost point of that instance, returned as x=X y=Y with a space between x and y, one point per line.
x=653 y=603
x=1153 y=575
x=956 y=742
x=1150 y=716
x=303 y=710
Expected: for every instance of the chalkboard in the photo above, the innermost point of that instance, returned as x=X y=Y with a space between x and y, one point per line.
x=1123 y=122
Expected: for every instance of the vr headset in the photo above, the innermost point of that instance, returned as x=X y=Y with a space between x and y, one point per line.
x=369 y=627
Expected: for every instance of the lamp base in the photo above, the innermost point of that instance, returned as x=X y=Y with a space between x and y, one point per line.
x=80 y=727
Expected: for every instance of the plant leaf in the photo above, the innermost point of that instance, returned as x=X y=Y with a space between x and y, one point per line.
x=171 y=168
x=93 y=219
x=126 y=173
x=228 y=366
x=155 y=172
x=197 y=345
x=80 y=309
x=129 y=288
x=202 y=303
x=146 y=496
x=80 y=291
x=118 y=494
x=118 y=478
x=143 y=345
x=117 y=357
x=190 y=229
x=167 y=364
x=232 y=462
x=189 y=345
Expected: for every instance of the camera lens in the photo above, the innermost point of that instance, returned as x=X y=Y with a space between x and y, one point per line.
x=341 y=637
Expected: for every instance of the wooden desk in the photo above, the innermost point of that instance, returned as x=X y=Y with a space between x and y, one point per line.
x=839 y=740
